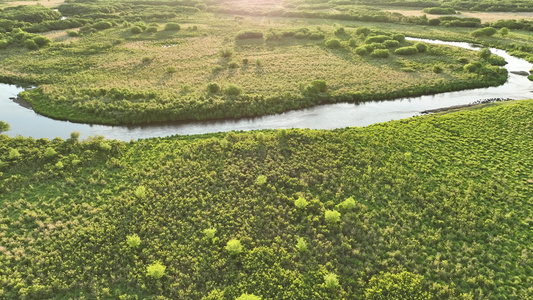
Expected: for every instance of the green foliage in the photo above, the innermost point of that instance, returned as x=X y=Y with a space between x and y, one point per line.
x=316 y=86
x=399 y=37
x=136 y=30
x=301 y=244
x=484 y=54
x=361 y=51
x=439 y=11
x=504 y=31
x=232 y=90
x=421 y=47
x=171 y=69
x=301 y=203
x=340 y=31
x=134 y=241
x=13 y=154
x=246 y=296
x=487 y=31
x=348 y=203
x=332 y=216
x=213 y=88
x=4 y=126
x=249 y=35
x=261 y=180
x=377 y=39
x=391 y=43
x=50 y=152
x=31 y=44
x=209 y=233
x=331 y=281
x=151 y=29
x=234 y=247
x=225 y=53
x=381 y=53
x=333 y=43
x=42 y=41
x=172 y=26
x=233 y=65
x=75 y=135
x=409 y=50
x=156 y=270
x=362 y=30
x=352 y=42
x=140 y=192
x=73 y=33
x=437 y=69
x=400 y=286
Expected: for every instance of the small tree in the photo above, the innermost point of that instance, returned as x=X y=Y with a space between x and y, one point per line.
x=140 y=192
x=301 y=244
x=234 y=247
x=348 y=204
x=301 y=203
x=209 y=234
x=331 y=281
x=133 y=241
x=503 y=31
x=172 y=26
x=156 y=270
x=49 y=152
x=484 y=53
x=332 y=216
x=260 y=180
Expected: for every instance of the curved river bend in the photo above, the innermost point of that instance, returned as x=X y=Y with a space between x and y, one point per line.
x=24 y=121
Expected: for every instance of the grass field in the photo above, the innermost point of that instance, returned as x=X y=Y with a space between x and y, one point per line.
x=435 y=207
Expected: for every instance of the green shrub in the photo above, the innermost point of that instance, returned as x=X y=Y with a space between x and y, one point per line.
x=42 y=41
x=73 y=33
x=234 y=247
x=301 y=203
x=487 y=31
x=133 y=241
x=146 y=59
x=171 y=69
x=248 y=297
x=439 y=11
x=503 y=31
x=463 y=60
x=13 y=154
x=102 y=25
x=31 y=44
x=233 y=65
x=245 y=61
x=151 y=29
x=373 y=46
x=316 y=36
x=232 y=90
x=398 y=37
x=437 y=69
x=331 y=281
x=209 y=233
x=391 y=43
x=410 y=50
x=59 y=165
x=49 y=152
x=361 y=51
x=348 y=203
x=340 y=31
x=172 y=26
x=333 y=43
x=4 y=126
x=226 y=52
x=136 y=30
x=3 y=44
x=362 y=30
x=400 y=286
x=260 y=180
x=213 y=87
x=316 y=86
x=217 y=68
x=472 y=67
x=352 y=42
x=421 y=47
x=332 y=216
x=377 y=39
x=156 y=270
x=530 y=77
x=381 y=53
x=484 y=54
x=249 y=35
x=301 y=244
x=140 y=192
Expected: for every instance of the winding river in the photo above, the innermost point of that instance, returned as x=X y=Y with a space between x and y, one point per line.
x=24 y=121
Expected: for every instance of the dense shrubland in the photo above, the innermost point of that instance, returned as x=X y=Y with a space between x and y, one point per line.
x=435 y=207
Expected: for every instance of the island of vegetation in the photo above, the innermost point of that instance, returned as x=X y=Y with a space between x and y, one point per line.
x=132 y=62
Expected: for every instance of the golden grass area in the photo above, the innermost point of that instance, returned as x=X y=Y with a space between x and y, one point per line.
x=484 y=16
x=46 y=3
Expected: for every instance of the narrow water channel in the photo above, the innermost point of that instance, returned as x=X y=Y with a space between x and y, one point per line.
x=24 y=121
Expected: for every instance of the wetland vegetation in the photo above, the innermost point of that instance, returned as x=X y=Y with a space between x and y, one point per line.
x=432 y=207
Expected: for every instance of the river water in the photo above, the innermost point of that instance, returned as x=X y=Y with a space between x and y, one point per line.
x=24 y=121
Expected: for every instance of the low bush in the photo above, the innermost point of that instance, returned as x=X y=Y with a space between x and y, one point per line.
x=249 y=35
x=31 y=44
x=151 y=29
x=487 y=31
x=133 y=241
x=234 y=247
x=361 y=51
x=136 y=30
x=156 y=270
x=172 y=26
x=331 y=281
x=421 y=47
x=381 y=53
x=391 y=43
x=437 y=69
x=377 y=39
x=332 y=216
x=410 y=50
x=333 y=43
x=301 y=203
x=213 y=88
x=316 y=86
x=225 y=53
x=232 y=90
x=439 y=11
